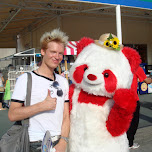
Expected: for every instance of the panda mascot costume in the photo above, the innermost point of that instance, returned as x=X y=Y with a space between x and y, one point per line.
x=101 y=101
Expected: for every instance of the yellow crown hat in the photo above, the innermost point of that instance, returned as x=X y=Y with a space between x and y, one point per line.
x=110 y=41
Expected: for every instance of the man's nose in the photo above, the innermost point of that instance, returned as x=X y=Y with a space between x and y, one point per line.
x=57 y=55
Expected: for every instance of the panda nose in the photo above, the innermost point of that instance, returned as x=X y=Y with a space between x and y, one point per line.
x=91 y=77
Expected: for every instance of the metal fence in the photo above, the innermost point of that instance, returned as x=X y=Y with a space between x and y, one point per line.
x=13 y=74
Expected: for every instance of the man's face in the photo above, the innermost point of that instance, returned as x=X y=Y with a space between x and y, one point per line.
x=53 y=55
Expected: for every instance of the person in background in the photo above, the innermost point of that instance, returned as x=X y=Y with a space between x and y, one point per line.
x=49 y=109
x=139 y=76
x=1 y=90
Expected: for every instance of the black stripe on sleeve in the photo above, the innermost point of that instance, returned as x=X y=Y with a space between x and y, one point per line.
x=66 y=101
x=19 y=101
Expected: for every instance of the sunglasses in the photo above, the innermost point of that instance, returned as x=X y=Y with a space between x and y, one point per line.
x=55 y=84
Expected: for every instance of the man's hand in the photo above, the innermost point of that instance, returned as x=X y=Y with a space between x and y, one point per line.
x=49 y=103
x=61 y=146
x=148 y=80
x=18 y=112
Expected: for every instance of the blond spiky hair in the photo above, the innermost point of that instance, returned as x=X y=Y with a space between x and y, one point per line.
x=54 y=35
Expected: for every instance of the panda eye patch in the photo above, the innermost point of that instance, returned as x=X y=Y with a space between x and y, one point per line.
x=106 y=75
x=79 y=72
x=111 y=79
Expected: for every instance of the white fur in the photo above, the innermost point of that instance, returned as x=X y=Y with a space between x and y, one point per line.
x=88 y=129
x=99 y=59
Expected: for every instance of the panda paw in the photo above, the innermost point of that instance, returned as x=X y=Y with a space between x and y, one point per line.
x=126 y=99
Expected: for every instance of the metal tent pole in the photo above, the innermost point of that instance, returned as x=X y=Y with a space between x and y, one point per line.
x=34 y=60
x=118 y=23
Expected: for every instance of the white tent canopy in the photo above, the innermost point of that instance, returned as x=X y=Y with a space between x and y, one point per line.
x=7 y=58
x=29 y=52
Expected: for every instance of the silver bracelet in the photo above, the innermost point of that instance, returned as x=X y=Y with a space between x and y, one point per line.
x=65 y=138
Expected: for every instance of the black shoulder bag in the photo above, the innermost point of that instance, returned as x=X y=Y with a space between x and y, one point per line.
x=17 y=139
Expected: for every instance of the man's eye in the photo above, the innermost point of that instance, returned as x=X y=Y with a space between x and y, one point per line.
x=52 y=52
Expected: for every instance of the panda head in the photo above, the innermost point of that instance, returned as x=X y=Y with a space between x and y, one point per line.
x=101 y=70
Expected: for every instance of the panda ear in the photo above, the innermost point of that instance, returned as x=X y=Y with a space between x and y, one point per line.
x=133 y=56
x=83 y=43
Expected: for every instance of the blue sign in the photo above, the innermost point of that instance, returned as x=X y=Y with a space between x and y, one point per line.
x=38 y=54
x=131 y=3
x=143 y=88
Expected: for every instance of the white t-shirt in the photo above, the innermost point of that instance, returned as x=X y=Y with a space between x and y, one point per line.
x=49 y=120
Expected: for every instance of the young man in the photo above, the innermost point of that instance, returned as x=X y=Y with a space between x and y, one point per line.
x=49 y=109
x=138 y=76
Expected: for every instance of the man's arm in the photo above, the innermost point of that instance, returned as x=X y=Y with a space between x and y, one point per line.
x=18 y=112
x=142 y=76
x=61 y=146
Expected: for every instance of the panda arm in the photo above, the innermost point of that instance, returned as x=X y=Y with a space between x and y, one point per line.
x=71 y=91
x=121 y=113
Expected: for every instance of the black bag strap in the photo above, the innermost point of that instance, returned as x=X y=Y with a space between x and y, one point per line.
x=28 y=94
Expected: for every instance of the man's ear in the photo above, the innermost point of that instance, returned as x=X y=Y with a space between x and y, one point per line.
x=42 y=52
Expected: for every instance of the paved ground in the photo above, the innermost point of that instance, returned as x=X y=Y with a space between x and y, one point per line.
x=144 y=138
x=143 y=135
x=145 y=110
x=5 y=124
